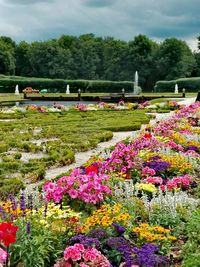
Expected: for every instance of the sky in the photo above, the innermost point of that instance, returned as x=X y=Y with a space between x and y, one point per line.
x=39 y=20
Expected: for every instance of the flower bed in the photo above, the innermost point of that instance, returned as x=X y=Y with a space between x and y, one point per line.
x=136 y=205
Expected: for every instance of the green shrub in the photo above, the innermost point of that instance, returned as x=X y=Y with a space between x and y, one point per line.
x=3 y=148
x=190 y=84
x=8 y=83
x=10 y=186
x=17 y=155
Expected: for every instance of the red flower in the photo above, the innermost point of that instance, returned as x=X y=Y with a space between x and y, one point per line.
x=92 y=168
x=8 y=233
x=147 y=135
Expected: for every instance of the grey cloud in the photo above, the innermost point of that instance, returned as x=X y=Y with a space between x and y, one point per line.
x=27 y=2
x=99 y=3
x=44 y=19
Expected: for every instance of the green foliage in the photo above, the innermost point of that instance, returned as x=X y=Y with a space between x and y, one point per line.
x=191 y=252
x=86 y=61
x=3 y=147
x=7 y=59
x=10 y=186
x=175 y=59
x=8 y=83
x=190 y=84
x=40 y=248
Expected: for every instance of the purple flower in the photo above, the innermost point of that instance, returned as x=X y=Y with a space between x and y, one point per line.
x=120 y=229
x=116 y=242
x=98 y=233
x=155 y=158
x=194 y=148
x=28 y=227
x=77 y=238
x=86 y=241
x=22 y=203
x=91 y=242
x=82 y=170
x=158 y=166
x=145 y=256
x=13 y=202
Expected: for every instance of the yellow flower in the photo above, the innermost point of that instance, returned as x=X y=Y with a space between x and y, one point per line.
x=146 y=187
x=172 y=238
x=152 y=233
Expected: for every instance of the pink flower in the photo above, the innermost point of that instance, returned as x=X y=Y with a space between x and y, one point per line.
x=90 y=254
x=153 y=180
x=80 y=247
x=3 y=256
x=72 y=253
x=82 y=264
x=73 y=193
x=147 y=170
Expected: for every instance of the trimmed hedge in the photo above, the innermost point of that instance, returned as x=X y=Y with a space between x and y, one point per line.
x=190 y=84
x=8 y=83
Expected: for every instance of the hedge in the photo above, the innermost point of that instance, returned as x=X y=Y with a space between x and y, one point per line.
x=8 y=83
x=190 y=84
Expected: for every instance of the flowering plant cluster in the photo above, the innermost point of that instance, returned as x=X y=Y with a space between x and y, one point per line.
x=139 y=194
x=83 y=184
x=105 y=216
x=153 y=233
x=36 y=108
x=8 y=233
x=84 y=257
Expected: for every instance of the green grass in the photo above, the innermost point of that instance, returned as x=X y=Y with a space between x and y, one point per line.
x=171 y=94
x=74 y=131
x=10 y=97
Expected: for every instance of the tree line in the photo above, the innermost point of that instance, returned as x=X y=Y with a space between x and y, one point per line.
x=96 y=58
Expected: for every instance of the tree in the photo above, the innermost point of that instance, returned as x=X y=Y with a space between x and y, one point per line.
x=175 y=59
x=141 y=57
x=7 y=59
x=23 y=66
x=48 y=59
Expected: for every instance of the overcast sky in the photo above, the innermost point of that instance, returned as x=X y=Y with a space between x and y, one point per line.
x=40 y=20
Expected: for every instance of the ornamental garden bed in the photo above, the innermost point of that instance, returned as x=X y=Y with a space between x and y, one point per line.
x=138 y=205
x=51 y=139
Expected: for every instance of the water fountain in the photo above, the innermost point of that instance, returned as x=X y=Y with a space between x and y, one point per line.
x=137 y=89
